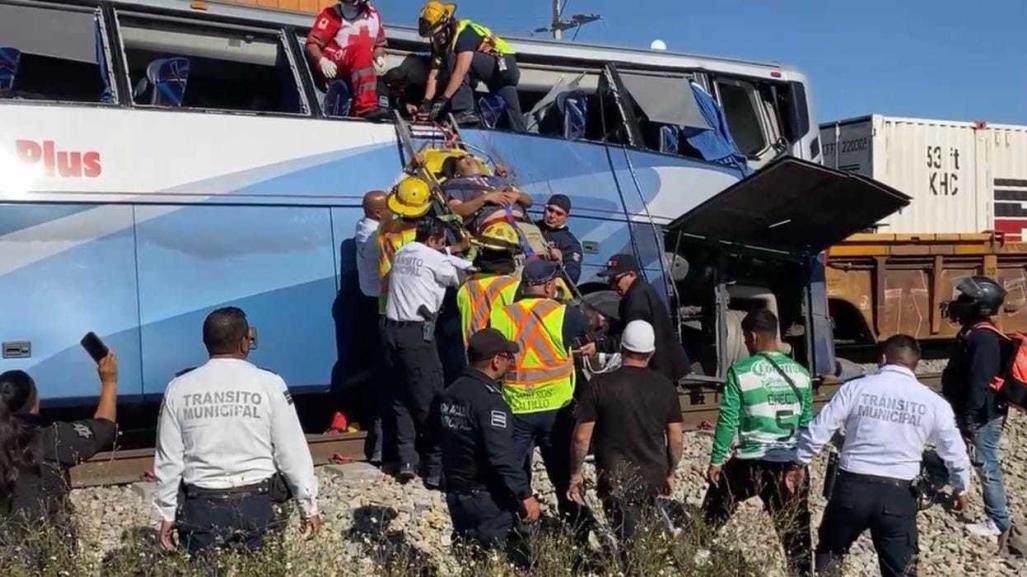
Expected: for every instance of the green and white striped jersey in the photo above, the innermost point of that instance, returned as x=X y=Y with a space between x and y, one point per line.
x=762 y=408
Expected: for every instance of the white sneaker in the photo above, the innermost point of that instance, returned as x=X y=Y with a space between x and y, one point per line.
x=985 y=528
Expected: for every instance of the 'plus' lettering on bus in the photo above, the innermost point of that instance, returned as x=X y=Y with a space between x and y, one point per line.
x=63 y=163
x=943 y=182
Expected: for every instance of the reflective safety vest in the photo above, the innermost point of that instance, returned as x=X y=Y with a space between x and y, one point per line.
x=392 y=236
x=478 y=296
x=490 y=43
x=542 y=378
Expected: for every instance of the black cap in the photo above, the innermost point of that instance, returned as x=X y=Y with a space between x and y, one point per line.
x=538 y=271
x=618 y=265
x=487 y=343
x=560 y=200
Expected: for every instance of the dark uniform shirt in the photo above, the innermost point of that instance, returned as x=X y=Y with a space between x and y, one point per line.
x=564 y=240
x=468 y=41
x=976 y=358
x=477 y=439
x=641 y=302
x=42 y=493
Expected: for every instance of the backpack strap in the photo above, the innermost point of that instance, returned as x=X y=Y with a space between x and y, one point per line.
x=989 y=326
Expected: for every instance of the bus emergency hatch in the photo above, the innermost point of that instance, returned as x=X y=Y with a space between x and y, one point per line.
x=791 y=206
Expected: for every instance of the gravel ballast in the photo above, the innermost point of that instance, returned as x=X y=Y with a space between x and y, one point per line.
x=367 y=507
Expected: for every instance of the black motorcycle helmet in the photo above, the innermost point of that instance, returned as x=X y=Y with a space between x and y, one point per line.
x=979 y=297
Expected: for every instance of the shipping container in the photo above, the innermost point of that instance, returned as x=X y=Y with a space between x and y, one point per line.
x=964 y=177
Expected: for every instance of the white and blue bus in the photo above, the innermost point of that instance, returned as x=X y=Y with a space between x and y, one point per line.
x=132 y=211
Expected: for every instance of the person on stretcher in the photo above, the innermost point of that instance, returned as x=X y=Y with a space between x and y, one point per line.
x=478 y=197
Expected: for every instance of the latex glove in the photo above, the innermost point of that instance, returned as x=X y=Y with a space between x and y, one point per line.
x=328 y=68
x=380 y=65
x=437 y=107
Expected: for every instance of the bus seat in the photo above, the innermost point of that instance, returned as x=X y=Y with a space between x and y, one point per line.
x=9 y=59
x=669 y=139
x=573 y=107
x=337 y=99
x=491 y=107
x=166 y=78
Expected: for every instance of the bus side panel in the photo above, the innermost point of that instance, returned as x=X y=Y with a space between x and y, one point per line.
x=276 y=263
x=345 y=309
x=66 y=270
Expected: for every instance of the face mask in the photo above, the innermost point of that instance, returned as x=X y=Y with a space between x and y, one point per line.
x=350 y=11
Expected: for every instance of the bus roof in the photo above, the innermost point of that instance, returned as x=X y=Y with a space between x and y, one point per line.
x=529 y=46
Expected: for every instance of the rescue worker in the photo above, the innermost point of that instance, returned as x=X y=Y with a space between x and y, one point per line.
x=981 y=414
x=639 y=301
x=495 y=282
x=766 y=399
x=225 y=429
x=468 y=53
x=888 y=418
x=345 y=40
x=486 y=485
x=421 y=273
x=564 y=247
x=401 y=86
x=480 y=198
x=409 y=201
x=35 y=459
x=540 y=386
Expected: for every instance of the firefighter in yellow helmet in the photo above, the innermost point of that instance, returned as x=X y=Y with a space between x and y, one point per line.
x=410 y=201
x=539 y=387
x=495 y=283
x=463 y=54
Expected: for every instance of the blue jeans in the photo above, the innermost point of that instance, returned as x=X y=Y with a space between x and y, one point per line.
x=985 y=460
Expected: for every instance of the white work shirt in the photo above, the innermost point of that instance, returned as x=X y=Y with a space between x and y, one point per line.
x=889 y=417
x=366 y=240
x=419 y=277
x=230 y=424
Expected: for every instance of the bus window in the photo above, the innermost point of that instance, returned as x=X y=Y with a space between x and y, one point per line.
x=739 y=101
x=172 y=63
x=59 y=53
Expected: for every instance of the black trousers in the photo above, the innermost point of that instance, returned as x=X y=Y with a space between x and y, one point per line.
x=481 y=519
x=212 y=520
x=500 y=74
x=626 y=511
x=859 y=503
x=414 y=381
x=551 y=432
x=741 y=479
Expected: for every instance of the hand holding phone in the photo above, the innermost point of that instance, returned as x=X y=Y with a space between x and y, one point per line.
x=94 y=346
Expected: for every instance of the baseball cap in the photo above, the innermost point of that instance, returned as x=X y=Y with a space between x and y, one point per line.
x=560 y=200
x=639 y=337
x=487 y=343
x=618 y=265
x=538 y=272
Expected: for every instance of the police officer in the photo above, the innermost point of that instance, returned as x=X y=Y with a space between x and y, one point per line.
x=888 y=418
x=981 y=414
x=409 y=201
x=34 y=482
x=421 y=273
x=494 y=283
x=540 y=386
x=225 y=429
x=564 y=247
x=468 y=53
x=486 y=485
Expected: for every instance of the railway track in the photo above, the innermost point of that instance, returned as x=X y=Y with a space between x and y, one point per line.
x=698 y=406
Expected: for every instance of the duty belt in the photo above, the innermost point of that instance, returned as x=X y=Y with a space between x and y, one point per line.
x=194 y=492
x=875 y=479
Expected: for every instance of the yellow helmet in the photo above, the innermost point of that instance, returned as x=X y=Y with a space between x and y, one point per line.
x=411 y=197
x=434 y=15
x=500 y=236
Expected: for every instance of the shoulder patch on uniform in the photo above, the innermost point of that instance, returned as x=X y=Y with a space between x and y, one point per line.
x=576 y=257
x=184 y=371
x=82 y=430
x=498 y=419
x=288 y=396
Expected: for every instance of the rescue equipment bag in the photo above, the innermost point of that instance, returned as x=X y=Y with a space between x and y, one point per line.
x=1011 y=382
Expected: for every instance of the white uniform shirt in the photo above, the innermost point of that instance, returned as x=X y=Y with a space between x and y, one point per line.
x=230 y=424
x=419 y=277
x=888 y=418
x=366 y=242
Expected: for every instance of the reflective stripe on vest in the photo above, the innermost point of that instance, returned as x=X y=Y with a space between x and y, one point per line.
x=388 y=243
x=542 y=377
x=491 y=44
x=477 y=298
